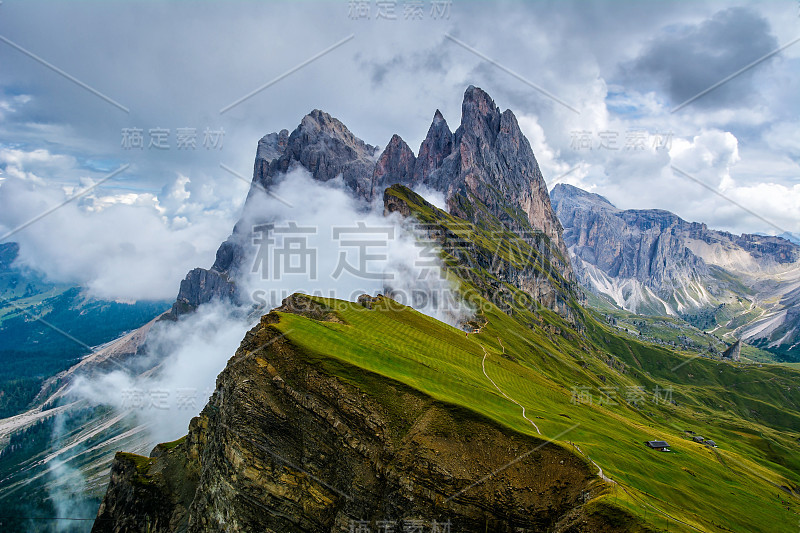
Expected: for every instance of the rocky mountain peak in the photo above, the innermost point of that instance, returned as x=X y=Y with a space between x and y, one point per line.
x=491 y=161
x=480 y=116
x=438 y=144
x=395 y=165
x=272 y=145
x=322 y=145
x=569 y=194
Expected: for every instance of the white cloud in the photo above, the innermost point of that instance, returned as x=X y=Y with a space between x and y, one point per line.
x=188 y=354
x=119 y=246
x=327 y=220
x=431 y=196
x=549 y=159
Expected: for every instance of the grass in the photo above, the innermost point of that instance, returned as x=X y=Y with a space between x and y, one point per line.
x=541 y=361
x=734 y=486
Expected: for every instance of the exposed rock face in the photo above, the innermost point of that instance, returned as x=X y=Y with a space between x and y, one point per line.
x=395 y=165
x=492 y=161
x=652 y=261
x=645 y=245
x=438 y=144
x=202 y=286
x=734 y=352
x=285 y=446
x=487 y=165
x=325 y=147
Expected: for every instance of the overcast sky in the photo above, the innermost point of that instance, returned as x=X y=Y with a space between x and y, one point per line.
x=595 y=86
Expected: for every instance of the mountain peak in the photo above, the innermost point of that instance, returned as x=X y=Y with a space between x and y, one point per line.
x=324 y=146
x=480 y=116
x=566 y=192
x=395 y=165
x=438 y=144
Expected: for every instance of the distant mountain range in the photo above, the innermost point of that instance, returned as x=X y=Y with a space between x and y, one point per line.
x=653 y=262
x=47 y=327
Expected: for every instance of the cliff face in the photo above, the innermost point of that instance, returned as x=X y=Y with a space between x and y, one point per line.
x=284 y=445
x=486 y=160
x=492 y=161
x=652 y=261
x=485 y=168
x=645 y=245
x=325 y=147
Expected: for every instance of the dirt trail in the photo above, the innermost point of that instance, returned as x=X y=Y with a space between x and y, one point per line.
x=506 y=396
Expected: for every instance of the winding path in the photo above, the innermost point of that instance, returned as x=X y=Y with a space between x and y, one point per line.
x=483 y=365
x=600 y=472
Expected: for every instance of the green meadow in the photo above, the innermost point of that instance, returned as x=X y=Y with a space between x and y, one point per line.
x=592 y=389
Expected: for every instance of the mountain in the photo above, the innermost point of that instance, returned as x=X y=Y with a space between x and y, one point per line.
x=790 y=237
x=485 y=168
x=324 y=147
x=337 y=416
x=653 y=262
x=47 y=327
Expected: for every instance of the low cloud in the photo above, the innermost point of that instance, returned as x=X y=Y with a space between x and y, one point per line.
x=187 y=356
x=324 y=242
x=117 y=244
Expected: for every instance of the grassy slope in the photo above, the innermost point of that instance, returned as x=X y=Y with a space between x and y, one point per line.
x=693 y=484
x=538 y=360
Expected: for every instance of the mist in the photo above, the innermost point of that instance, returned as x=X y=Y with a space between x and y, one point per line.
x=310 y=250
x=314 y=237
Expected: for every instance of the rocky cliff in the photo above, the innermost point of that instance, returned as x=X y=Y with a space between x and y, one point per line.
x=287 y=443
x=485 y=168
x=654 y=262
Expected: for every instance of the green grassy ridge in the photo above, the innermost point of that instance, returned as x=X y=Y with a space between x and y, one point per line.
x=410 y=348
x=752 y=412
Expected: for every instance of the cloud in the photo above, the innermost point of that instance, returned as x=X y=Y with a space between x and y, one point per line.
x=548 y=158
x=187 y=355
x=118 y=245
x=689 y=58
x=323 y=242
x=432 y=196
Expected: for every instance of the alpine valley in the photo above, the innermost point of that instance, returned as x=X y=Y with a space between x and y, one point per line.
x=653 y=262
x=591 y=331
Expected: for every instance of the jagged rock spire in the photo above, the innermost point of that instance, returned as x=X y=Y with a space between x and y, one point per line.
x=395 y=165
x=438 y=144
x=487 y=159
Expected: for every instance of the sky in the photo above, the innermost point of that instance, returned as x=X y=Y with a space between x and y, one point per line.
x=686 y=106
